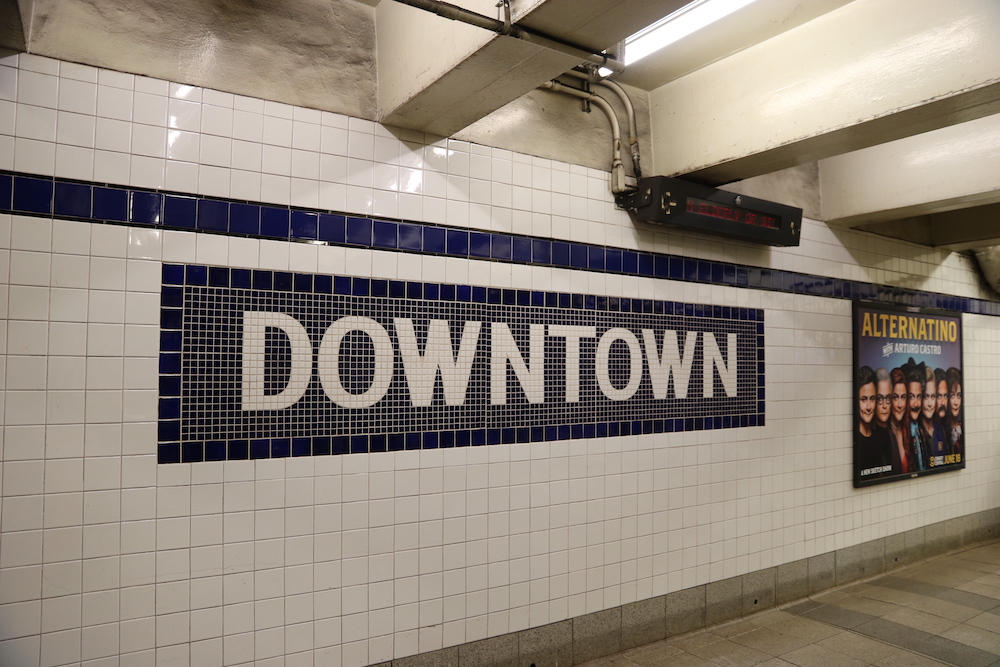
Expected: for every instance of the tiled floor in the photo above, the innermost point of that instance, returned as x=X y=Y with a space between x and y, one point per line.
x=945 y=610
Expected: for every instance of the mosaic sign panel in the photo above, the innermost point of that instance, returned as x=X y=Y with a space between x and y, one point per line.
x=264 y=364
x=908 y=407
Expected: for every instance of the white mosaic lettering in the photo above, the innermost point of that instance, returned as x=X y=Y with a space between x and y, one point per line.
x=255 y=326
x=329 y=362
x=603 y=366
x=661 y=367
x=284 y=370
x=726 y=367
x=421 y=368
x=572 y=334
x=504 y=349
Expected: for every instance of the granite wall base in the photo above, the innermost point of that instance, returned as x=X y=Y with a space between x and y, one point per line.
x=577 y=640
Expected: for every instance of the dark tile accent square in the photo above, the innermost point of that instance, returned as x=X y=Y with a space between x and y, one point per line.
x=384 y=234
x=274 y=222
x=146 y=207
x=168 y=453
x=560 y=253
x=111 y=204
x=501 y=247
x=541 y=251
x=305 y=225
x=32 y=195
x=213 y=215
x=244 y=219
x=180 y=211
x=332 y=228
x=73 y=200
x=521 y=249
x=410 y=237
x=6 y=191
x=479 y=244
x=434 y=240
x=359 y=231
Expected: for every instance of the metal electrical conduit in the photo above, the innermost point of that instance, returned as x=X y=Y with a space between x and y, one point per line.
x=633 y=132
x=618 y=184
x=456 y=13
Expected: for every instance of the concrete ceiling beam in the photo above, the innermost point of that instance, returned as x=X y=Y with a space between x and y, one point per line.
x=439 y=76
x=959 y=230
x=12 y=33
x=920 y=179
x=868 y=72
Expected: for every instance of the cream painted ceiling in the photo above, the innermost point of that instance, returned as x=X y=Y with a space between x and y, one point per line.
x=889 y=89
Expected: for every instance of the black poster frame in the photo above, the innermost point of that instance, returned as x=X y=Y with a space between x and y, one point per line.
x=906 y=341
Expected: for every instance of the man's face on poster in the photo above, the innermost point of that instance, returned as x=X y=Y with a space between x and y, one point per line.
x=942 y=399
x=916 y=390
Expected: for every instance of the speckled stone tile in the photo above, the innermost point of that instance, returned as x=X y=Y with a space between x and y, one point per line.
x=921 y=620
x=727 y=653
x=652 y=654
x=767 y=640
x=858 y=646
x=973 y=636
x=815 y=655
x=957 y=653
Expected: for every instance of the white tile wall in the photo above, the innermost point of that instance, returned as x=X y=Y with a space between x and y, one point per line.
x=108 y=558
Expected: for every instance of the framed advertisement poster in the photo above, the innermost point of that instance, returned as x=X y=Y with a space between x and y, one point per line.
x=909 y=415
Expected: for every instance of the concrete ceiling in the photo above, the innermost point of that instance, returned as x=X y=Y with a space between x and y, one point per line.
x=882 y=97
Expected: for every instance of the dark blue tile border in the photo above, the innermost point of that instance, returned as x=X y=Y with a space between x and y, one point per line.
x=173 y=448
x=45 y=196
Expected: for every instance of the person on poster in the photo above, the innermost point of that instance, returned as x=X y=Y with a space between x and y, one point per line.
x=883 y=415
x=931 y=429
x=916 y=376
x=899 y=424
x=942 y=395
x=953 y=422
x=872 y=443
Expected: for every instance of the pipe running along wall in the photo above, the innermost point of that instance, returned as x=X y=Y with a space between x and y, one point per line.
x=618 y=184
x=633 y=132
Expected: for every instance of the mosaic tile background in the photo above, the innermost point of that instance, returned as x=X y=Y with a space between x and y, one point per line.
x=201 y=372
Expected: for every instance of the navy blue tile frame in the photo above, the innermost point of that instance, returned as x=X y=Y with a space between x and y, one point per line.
x=201 y=416
x=47 y=197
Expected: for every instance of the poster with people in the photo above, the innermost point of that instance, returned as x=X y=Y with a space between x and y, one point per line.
x=908 y=403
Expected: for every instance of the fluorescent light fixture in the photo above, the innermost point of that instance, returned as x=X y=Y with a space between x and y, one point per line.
x=686 y=20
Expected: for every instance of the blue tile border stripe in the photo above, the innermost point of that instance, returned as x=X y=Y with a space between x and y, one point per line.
x=53 y=197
